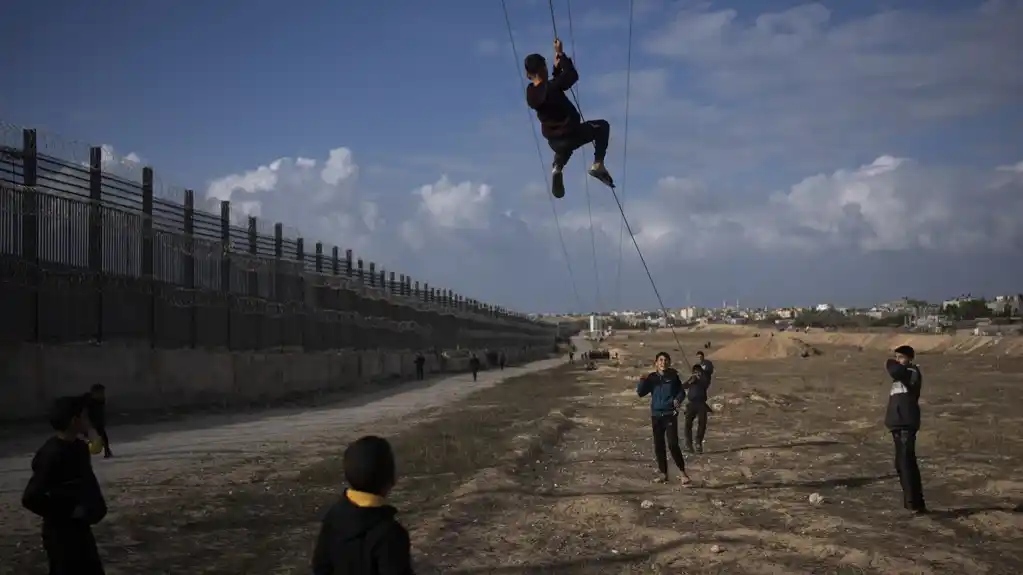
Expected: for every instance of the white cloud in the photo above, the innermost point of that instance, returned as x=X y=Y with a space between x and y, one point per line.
x=463 y=205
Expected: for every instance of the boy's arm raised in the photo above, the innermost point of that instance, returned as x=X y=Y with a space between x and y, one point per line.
x=565 y=75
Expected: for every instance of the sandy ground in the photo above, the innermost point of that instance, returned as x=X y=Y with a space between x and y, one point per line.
x=551 y=473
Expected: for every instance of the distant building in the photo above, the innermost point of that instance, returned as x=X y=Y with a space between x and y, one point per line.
x=824 y=307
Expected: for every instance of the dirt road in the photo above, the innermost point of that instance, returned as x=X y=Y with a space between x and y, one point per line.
x=203 y=457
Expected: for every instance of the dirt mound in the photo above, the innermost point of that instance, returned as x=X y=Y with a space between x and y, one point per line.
x=1007 y=345
x=754 y=348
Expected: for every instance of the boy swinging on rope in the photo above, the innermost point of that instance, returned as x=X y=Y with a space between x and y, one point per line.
x=560 y=121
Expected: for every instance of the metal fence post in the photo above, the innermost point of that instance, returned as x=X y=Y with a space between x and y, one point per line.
x=189 y=264
x=30 y=222
x=148 y=276
x=225 y=263
x=96 y=232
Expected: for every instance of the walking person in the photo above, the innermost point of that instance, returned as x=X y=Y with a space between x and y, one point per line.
x=666 y=395
x=420 y=366
x=474 y=365
x=696 y=408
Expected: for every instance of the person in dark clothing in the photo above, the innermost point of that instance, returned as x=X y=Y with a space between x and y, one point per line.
x=902 y=419
x=706 y=364
x=560 y=121
x=666 y=395
x=64 y=491
x=474 y=365
x=502 y=360
x=97 y=409
x=420 y=366
x=696 y=387
x=360 y=534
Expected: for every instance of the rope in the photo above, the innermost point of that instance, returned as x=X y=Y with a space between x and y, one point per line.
x=543 y=164
x=621 y=207
x=586 y=180
x=625 y=157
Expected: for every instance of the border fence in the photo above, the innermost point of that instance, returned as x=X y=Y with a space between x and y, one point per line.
x=88 y=255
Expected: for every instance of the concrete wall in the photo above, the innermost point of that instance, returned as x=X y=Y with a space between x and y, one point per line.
x=140 y=378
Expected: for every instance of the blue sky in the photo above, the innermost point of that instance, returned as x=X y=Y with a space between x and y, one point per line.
x=779 y=152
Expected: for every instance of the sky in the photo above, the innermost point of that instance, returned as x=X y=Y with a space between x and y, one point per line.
x=778 y=153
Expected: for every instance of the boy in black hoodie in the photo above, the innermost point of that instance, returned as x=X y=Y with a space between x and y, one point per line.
x=64 y=491
x=902 y=418
x=560 y=121
x=360 y=535
x=666 y=395
x=696 y=408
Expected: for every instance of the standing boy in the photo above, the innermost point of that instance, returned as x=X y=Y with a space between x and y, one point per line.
x=707 y=365
x=696 y=408
x=360 y=534
x=666 y=395
x=64 y=491
x=97 y=409
x=560 y=121
x=903 y=421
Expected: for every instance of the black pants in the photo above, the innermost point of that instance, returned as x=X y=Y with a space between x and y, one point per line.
x=907 y=468
x=666 y=427
x=474 y=374
x=597 y=132
x=101 y=431
x=696 y=412
x=71 y=550
x=419 y=372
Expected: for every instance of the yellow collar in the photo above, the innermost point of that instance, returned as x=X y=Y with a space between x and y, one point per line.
x=363 y=499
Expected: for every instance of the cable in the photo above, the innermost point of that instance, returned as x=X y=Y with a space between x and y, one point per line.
x=621 y=207
x=625 y=156
x=586 y=180
x=543 y=165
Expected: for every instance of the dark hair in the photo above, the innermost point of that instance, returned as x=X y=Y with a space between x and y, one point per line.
x=98 y=387
x=663 y=354
x=906 y=351
x=535 y=64
x=700 y=353
x=697 y=367
x=64 y=409
x=369 y=465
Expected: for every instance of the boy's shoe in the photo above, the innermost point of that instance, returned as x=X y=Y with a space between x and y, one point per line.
x=688 y=448
x=557 y=182
x=597 y=170
x=699 y=448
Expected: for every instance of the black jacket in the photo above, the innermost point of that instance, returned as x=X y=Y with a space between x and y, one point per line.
x=63 y=482
x=357 y=540
x=696 y=388
x=558 y=117
x=904 y=397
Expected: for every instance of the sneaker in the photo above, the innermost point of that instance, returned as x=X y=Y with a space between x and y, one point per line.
x=688 y=448
x=699 y=448
x=557 y=182
x=661 y=479
x=597 y=170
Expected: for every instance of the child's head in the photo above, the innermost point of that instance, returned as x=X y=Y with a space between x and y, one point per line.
x=697 y=369
x=662 y=360
x=536 y=67
x=904 y=354
x=98 y=390
x=369 y=465
x=699 y=356
x=67 y=415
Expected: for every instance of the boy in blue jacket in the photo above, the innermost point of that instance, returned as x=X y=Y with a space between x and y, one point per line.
x=666 y=395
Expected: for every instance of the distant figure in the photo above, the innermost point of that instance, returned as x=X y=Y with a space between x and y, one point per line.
x=502 y=360
x=474 y=365
x=97 y=409
x=420 y=366
x=360 y=534
x=706 y=364
x=64 y=491
x=903 y=420
x=571 y=356
x=696 y=387
x=666 y=395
